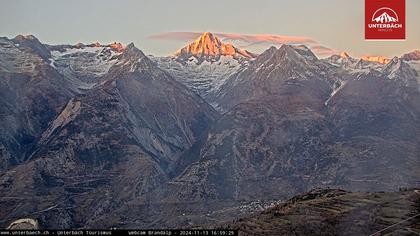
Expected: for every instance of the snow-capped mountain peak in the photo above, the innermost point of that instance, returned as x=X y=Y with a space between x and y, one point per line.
x=31 y=43
x=87 y=63
x=342 y=59
x=397 y=69
x=131 y=51
x=205 y=64
x=287 y=52
x=208 y=47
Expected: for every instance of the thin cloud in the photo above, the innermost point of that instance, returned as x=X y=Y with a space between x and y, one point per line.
x=178 y=36
x=267 y=39
x=246 y=38
x=250 y=40
x=322 y=50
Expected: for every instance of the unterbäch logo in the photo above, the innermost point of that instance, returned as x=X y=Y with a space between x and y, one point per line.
x=385 y=15
x=384 y=19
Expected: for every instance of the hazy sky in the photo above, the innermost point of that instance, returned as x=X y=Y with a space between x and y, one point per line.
x=337 y=24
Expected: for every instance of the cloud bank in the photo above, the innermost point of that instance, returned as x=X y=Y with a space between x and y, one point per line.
x=248 y=40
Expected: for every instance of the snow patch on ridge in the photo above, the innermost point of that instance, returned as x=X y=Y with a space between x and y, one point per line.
x=205 y=78
x=87 y=61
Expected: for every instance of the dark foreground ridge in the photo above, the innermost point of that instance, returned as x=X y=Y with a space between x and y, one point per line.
x=337 y=212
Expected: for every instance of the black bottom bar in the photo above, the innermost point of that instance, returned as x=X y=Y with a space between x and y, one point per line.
x=181 y=232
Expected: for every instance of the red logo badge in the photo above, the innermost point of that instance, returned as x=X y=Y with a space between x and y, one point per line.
x=384 y=19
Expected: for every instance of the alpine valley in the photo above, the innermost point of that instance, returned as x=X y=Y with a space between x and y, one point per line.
x=103 y=136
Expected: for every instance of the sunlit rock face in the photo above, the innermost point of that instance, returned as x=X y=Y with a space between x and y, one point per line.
x=379 y=59
x=208 y=47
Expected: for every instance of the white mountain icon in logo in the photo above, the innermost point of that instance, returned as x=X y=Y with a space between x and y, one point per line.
x=385 y=17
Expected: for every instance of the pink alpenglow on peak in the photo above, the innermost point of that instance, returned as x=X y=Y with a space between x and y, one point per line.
x=118 y=47
x=378 y=59
x=344 y=55
x=208 y=46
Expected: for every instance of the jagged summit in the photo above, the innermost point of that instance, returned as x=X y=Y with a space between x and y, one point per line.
x=115 y=46
x=306 y=52
x=289 y=56
x=343 y=59
x=344 y=55
x=210 y=48
x=131 y=49
x=25 y=37
x=132 y=59
x=31 y=43
x=396 y=68
x=289 y=53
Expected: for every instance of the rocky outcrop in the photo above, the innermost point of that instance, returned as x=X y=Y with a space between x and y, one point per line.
x=24 y=224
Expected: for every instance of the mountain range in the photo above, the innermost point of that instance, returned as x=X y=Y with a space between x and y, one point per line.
x=101 y=135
